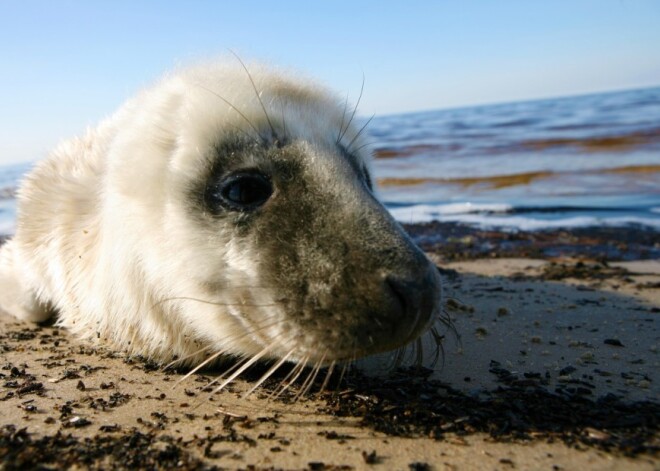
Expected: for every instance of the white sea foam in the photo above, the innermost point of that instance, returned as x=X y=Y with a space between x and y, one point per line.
x=430 y=212
x=489 y=216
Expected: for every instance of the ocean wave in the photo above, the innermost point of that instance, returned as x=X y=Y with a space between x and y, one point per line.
x=494 y=144
x=410 y=150
x=617 y=143
x=496 y=181
x=507 y=217
x=523 y=178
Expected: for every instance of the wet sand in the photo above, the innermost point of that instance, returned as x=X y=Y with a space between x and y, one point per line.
x=556 y=368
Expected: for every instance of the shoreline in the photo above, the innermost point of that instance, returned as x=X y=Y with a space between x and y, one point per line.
x=458 y=241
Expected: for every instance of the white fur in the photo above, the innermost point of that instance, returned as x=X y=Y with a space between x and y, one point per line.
x=102 y=236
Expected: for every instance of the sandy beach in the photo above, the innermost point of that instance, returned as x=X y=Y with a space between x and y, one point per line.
x=554 y=366
x=189 y=181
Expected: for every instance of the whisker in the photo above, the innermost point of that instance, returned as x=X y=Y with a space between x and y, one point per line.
x=310 y=378
x=283 y=120
x=343 y=118
x=239 y=362
x=346 y=366
x=298 y=369
x=439 y=348
x=445 y=319
x=219 y=378
x=343 y=133
x=343 y=372
x=366 y=144
x=274 y=393
x=214 y=303
x=399 y=356
x=215 y=355
x=360 y=131
x=198 y=367
x=247 y=333
x=235 y=109
x=245 y=366
x=327 y=376
x=182 y=359
x=256 y=91
x=268 y=373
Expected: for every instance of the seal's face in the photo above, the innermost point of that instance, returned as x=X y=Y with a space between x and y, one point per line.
x=337 y=278
x=221 y=211
x=310 y=266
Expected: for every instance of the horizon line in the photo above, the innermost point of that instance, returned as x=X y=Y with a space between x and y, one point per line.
x=521 y=100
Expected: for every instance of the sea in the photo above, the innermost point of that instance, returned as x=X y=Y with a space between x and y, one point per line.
x=588 y=160
x=591 y=160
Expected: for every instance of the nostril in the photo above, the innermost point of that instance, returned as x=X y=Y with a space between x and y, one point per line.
x=400 y=292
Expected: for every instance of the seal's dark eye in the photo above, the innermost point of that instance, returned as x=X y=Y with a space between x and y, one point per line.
x=242 y=191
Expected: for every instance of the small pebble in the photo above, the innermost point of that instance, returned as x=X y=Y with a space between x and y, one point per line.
x=613 y=342
x=644 y=384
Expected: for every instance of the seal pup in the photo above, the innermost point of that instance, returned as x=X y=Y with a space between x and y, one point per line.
x=227 y=210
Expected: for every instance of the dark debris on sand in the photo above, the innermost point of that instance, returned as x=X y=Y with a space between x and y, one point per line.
x=410 y=405
x=406 y=404
x=133 y=450
x=455 y=242
x=583 y=271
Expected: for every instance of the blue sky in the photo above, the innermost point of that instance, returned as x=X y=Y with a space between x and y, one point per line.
x=67 y=64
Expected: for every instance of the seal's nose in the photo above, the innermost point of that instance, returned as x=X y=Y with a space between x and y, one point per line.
x=412 y=301
x=401 y=292
x=405 y=309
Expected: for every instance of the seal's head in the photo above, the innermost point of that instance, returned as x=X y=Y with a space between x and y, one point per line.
x=220 y=211
x=278 y=206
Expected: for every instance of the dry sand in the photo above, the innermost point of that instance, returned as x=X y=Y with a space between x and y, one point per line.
x=518 y=392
